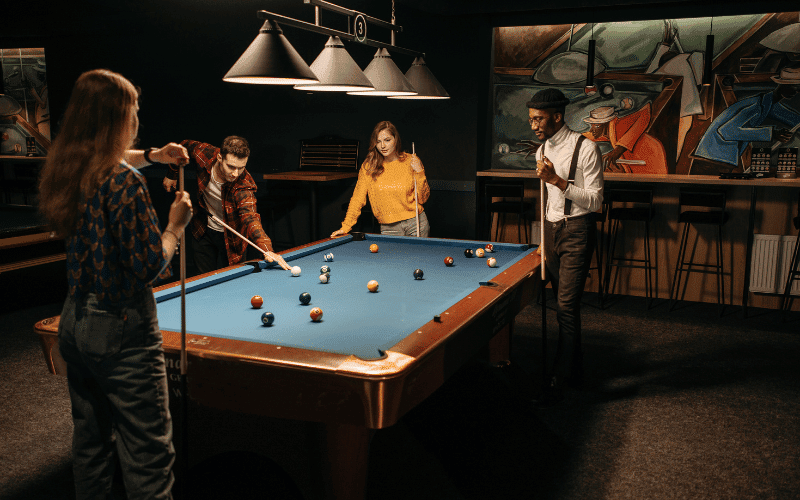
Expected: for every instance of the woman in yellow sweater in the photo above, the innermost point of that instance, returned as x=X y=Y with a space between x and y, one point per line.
x=388 y=176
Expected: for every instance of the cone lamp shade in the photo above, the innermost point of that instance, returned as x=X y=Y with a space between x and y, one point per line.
x=270 y=60
x=386 y=77
x=336 y=70
x=427 y=86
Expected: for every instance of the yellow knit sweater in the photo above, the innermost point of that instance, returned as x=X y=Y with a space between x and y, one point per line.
x=391 y=195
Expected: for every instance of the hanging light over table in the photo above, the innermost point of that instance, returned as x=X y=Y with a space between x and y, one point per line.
x=336 y=70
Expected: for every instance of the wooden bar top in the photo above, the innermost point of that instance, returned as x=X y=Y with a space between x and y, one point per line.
x=306 y=175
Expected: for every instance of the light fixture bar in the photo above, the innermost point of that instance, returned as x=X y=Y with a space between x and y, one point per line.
x=295 y=23
x=353 y=13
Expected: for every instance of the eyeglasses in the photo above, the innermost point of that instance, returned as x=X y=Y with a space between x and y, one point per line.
x=537 y=119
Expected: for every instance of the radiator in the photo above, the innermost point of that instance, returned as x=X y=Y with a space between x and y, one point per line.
x=772 y=256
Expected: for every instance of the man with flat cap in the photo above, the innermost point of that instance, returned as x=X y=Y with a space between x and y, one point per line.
x=572 y=169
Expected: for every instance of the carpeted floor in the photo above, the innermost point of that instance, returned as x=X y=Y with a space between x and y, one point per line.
x=675 y=405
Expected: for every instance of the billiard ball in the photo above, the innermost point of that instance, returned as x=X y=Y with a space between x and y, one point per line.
x=325 y=269
x=257 y=301
x=328 y=257
x=372 y=286
x=316 y=314
x=295 y=270
x=491 y=262
x=418 y=274
x=468 y=253
x=324 y=278
x=267 y=318
x=479 y=252
x=448 y=261
x=489 y=247
x=373 y=248
x=305 y=298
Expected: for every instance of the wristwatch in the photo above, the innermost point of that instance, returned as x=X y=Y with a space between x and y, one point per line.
x=147 y=155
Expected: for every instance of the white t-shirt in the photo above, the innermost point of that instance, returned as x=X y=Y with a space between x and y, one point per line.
x=213 y=196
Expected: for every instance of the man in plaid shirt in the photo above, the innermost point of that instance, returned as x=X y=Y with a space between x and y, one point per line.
x=227 y=191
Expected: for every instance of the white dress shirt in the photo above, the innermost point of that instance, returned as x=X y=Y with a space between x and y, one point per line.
x=586 y=192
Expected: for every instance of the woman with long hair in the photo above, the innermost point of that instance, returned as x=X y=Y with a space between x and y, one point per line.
x=389 y=176
x=108 y=335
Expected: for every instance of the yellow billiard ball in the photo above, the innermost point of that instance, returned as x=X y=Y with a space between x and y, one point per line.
x=479 y=252
x=373 y=248
x=372 y=286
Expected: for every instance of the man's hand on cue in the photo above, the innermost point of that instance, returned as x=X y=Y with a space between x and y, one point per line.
x=273 y=257
x=547 y=173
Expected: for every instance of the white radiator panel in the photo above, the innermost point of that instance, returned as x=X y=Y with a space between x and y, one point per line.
x=772 y=256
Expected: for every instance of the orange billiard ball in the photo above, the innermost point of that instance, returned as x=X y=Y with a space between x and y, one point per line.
x=372 y=286
x=257 y=301
x=316 y=314
x=373 y=248
x=479 y=252
x=491 y=262
x=448 y=261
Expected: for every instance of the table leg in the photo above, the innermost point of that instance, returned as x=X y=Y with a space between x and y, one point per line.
x=750 y=236
x=347 y=456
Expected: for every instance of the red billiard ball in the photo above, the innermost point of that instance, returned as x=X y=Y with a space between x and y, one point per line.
x=448 y=261
x=373 y=248
x=489 y=247
x=316 y=314
x=257 y=301
x=372 y=286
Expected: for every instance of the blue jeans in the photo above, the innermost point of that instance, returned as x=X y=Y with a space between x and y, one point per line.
x=118 y=389
x=408 y=227
x=569 y=244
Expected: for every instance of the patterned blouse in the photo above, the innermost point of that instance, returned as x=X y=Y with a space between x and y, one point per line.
x=238 y=203
x=116 y=251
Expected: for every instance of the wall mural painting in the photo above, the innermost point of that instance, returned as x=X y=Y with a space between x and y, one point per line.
x=648 y=109
x=24 y=103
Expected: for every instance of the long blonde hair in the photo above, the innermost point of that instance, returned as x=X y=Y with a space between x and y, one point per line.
x=93 y=138
x=373 y=164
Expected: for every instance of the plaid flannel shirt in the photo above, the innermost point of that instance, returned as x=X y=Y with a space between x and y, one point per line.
x=238 y=201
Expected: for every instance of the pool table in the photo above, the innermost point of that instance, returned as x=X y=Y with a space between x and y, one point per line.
x=372 y=357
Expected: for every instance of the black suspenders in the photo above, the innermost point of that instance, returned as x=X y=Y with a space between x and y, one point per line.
x=573 y=167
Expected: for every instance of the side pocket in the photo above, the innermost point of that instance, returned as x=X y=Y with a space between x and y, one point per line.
x=98 y=334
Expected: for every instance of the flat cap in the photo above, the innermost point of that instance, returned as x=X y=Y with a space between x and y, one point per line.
x=547 y=99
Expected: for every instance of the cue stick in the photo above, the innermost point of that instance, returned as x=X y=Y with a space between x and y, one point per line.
x=543 y=286
x=229 y=228
x=416 y=208
x=792 y=131
x=184 y=363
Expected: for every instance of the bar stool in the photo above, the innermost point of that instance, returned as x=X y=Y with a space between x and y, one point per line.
x=714 y=214
x=794 y=270
x=513 y=202
x=638 y=208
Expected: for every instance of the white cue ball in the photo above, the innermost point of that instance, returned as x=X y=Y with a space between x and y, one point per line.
x=295 y=270
x=323 y=278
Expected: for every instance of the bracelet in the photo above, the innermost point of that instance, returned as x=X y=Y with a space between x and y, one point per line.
x=177 y=239
x=147 y=155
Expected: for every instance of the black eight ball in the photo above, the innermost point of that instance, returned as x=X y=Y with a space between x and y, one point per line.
x=305 y=298
x=418 y=274
x=468 y=252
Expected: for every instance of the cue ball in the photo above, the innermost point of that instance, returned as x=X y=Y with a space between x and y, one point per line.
x=257 y=301
x=296 y=271
x=468 y=252
x=489 y=247
x=325 y=269
x=479 y=252
x=323 y=278
x=372 y=286
x=418 y=274
x=305 y=298
x=316 y=314
x=491 y=262
x=448 y=261
x=373 y=248
x=267 y=318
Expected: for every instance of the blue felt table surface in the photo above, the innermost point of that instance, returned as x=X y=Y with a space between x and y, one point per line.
x=355 y=320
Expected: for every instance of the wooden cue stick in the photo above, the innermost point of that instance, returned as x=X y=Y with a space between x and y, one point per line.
x=792 y=131
x=229 y=228
x=416 y=207
x=184 y=363
x=543 y=285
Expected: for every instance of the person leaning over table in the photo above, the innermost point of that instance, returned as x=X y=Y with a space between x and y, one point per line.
x=387 y=176
x=570 y=230
x=108 y=335
x=227 y=191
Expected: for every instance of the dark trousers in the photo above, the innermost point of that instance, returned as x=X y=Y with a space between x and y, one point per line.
x=569 y=244
x=118 y=388
x=209 y=251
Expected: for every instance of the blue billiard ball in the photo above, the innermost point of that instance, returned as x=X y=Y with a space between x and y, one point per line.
x=418 y=274
x=267 y=318
x=325 y=269
x=305 y=298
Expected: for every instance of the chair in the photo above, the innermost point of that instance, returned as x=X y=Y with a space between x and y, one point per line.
x=512 y=194
x=712 y=213
x=794 y=270
x=628 y=205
